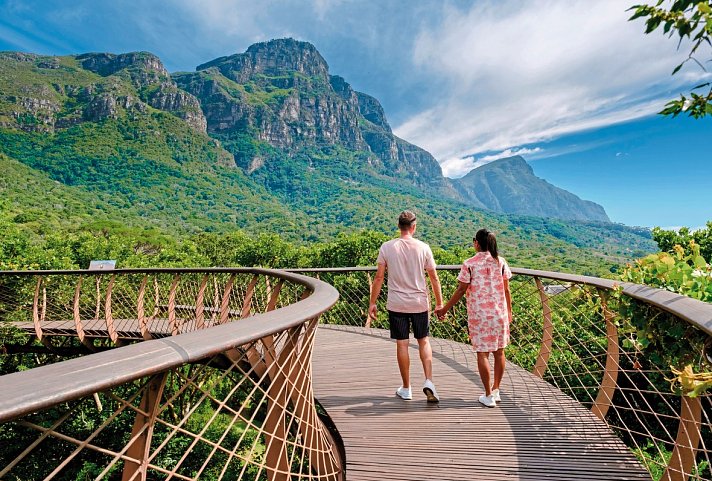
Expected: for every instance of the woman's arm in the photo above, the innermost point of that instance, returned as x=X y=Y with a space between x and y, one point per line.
x=508 y=296
x=456 y=296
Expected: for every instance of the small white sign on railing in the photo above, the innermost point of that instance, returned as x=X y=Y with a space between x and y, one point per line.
x=102 y=265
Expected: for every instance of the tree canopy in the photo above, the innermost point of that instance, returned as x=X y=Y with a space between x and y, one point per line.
x=686 y=19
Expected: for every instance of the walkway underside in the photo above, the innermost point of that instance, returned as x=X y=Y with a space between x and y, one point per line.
x=535 y=433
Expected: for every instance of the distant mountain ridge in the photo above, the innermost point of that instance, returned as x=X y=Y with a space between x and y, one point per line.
x=265 y=141
x=283 y=92
x=509 y=185
x=277 y=98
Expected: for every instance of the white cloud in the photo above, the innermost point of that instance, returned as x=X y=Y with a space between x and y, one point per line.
x=249 y=19
x=232 y=18
x=507 y=153
x=455 y=167
x=519 y=73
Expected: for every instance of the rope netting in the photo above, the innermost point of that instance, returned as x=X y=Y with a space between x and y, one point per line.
x=246 y=411
x=568 y=334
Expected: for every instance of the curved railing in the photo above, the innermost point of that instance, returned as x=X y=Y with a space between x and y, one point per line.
x=220 y=389
x=235 y=400
x=567 y=330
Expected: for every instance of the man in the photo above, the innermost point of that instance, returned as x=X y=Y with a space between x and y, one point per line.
x=408 y=302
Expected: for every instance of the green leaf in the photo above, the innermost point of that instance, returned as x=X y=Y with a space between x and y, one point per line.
x=700 y=262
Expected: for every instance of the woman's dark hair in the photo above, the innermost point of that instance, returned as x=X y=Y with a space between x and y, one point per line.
x=487 y=241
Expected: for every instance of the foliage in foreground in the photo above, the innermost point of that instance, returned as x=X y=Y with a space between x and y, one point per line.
x=688 y=20
x=665 y=339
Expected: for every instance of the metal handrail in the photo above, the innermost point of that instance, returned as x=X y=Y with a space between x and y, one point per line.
x=266 y=355
x=29 y=391
x=83 y=376
x=616 y=370
x=696 y=312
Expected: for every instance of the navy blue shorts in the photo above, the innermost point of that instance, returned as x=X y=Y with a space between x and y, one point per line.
x=401 y=323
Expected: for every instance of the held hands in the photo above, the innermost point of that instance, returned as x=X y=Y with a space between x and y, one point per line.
x=440 y=311
x=371 y=314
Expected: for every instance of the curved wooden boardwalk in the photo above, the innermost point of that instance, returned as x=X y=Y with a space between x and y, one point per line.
x=536 y=433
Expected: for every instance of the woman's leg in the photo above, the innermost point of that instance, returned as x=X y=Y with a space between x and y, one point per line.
x=484 y=369
x=499 y=362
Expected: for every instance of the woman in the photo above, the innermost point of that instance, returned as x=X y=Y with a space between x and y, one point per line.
x=485 y=279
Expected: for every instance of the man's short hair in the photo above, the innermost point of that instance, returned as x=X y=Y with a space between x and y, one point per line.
x=406 y=219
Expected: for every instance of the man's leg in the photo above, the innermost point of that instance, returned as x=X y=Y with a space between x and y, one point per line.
x=421 y=332
x=403 y=361
x=426 y=356
x=400 y=332
x=484 y=368
x=499 y=362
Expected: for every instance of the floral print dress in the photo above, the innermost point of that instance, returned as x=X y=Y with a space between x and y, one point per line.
x=487 y=314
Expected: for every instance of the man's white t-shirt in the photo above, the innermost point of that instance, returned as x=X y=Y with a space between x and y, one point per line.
x=406 y=260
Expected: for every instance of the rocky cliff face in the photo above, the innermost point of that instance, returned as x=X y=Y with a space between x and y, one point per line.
x=276 y=58
x=509 y=185
x=155 y=87
x=277 y=110
x=280 y=93
x=59 y=92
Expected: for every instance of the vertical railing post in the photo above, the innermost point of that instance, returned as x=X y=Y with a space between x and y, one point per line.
x=247 y=302
x=140 y=310
x=142 y=431
x=172 y=306
x=688 y=438
x=547 y=338
x=36 y=309
x=113 y=334
x=200 y=304
x=609 y=382
x=370 y=286
x=76 y=312
x=97 y=311
x=225 y=303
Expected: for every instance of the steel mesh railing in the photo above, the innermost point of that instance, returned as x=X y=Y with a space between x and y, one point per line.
x=233 y=401
x=566 y=331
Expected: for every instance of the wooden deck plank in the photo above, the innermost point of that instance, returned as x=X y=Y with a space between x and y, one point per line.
x=535 y=433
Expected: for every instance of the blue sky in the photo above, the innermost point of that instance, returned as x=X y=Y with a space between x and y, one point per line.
x=569 y=84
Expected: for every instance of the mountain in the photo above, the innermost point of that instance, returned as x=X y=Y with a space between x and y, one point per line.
x=509 y=185
x=263 y=141
x=280 y=95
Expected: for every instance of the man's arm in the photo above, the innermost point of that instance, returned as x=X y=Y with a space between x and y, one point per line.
x=375 y=291
x=437 y=290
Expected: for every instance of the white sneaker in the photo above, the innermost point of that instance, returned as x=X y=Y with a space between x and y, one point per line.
x=430 y=392
x=488 y=401
x=404 y=393
x=495 y=395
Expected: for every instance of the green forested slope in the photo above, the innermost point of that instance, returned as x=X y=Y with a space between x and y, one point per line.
x=110 y=144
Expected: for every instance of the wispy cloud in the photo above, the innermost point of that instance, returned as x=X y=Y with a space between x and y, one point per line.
x=464 y=80
x=458 y=166
x=522 y=73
